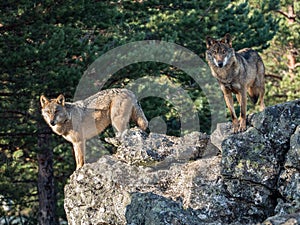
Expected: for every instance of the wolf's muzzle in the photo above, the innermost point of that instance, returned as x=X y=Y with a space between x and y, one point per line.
x=220 y=64
x=52 y=122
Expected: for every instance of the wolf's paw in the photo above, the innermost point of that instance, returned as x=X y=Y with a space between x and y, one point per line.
x=242 y=126
x=242 y=129
x=235 y=126
x=113 y=141
x=239 y=126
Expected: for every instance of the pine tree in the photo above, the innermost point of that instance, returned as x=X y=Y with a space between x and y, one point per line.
x=44 y=50
x=282 y=58
x=47 y=45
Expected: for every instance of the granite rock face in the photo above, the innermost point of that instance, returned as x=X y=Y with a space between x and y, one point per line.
x=247 y=178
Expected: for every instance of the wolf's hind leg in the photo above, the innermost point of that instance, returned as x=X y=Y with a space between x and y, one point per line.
x=260 y=84
x=120 y=116
x=139 y=117
x=261 y=99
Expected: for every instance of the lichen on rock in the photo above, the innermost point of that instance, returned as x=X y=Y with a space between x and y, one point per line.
x=247 y=178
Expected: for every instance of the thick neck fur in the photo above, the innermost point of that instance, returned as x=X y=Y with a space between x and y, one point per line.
x=63 y=128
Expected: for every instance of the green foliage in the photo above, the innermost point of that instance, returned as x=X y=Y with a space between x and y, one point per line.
x=44 y=49
x=47 y=45
x=282 y=80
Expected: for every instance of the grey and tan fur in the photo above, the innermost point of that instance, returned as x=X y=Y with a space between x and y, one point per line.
x=84 y=119
x=237 y=72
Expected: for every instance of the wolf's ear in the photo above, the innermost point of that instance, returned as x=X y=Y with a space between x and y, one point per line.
x=227 y=40
x=61 y=100
x=209 y=42
x=43 y=101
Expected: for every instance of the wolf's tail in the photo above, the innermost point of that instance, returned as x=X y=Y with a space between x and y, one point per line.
x=256 y=92
x=139 y=117
x=254 y=98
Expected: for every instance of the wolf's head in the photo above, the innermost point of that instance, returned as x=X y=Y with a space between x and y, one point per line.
x=219 y=52
x=54 y=110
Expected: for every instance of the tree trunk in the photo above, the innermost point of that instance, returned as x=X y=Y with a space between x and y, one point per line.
x=292 y=59
x=46 y=189
x=292 y=64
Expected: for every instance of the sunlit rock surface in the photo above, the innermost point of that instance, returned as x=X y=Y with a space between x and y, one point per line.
x=247 y=178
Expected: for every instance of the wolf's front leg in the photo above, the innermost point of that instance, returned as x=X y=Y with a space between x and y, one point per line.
x=79 y=153
x=242 y=98
x=229 y=102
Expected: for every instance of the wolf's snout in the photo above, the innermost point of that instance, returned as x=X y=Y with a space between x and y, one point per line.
x=52 y=122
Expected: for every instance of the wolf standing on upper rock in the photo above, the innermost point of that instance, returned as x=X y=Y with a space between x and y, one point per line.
x=82 y=120
x=237 y=72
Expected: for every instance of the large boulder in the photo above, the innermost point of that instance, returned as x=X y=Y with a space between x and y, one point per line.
x=246 y=178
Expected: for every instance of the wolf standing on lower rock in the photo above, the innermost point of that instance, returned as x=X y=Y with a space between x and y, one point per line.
x=237 y=72
x=84 y=119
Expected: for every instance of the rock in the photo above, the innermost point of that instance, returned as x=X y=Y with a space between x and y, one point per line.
x=222 y=131
x=291 y=219
x=293 y=155
x=289 y=179
x=160 y=210
x=267 y=155
x=138 y=149
x=114 y=192
x=157 y=179
x=250 y=156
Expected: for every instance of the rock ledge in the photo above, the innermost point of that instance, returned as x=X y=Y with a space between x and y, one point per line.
x=247 y=178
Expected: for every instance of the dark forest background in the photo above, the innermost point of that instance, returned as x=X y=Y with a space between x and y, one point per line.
x=46 y=46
